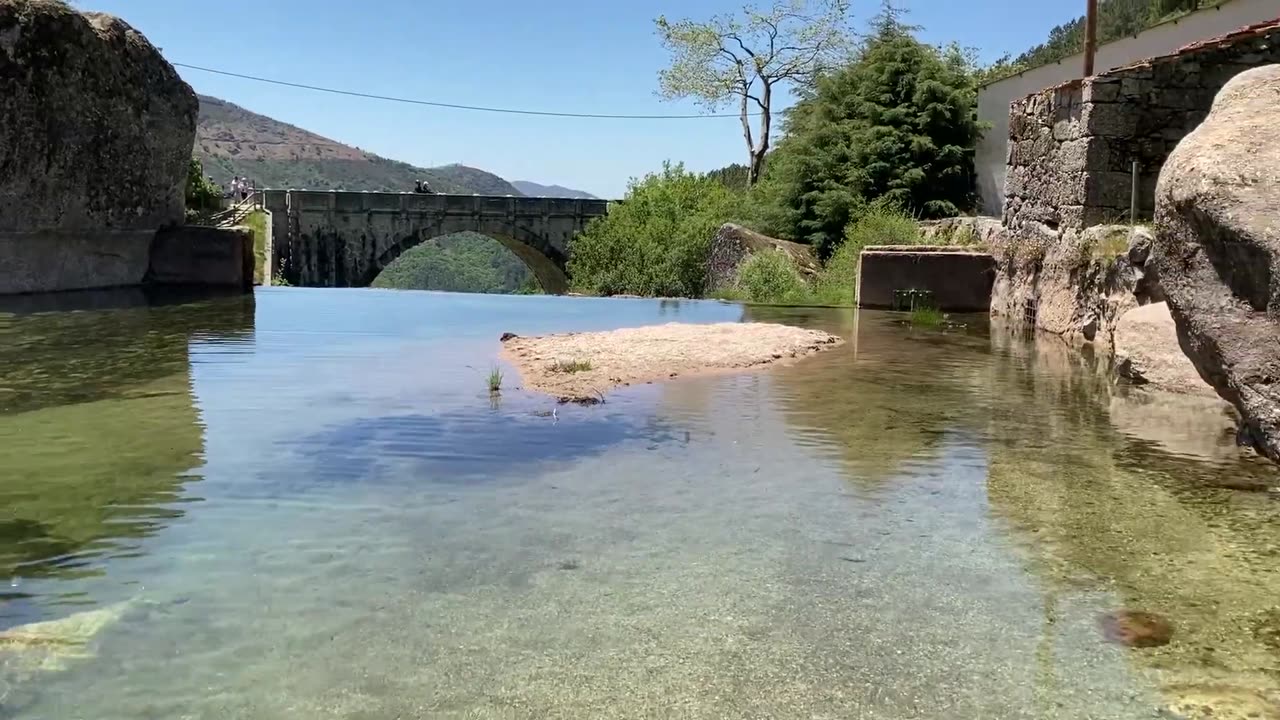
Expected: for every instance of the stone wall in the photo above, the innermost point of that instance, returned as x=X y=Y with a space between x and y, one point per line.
x=1071 y=147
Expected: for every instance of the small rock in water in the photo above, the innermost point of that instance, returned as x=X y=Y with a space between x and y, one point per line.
x=508 y=336
x=1135 y=628
x=569 y=565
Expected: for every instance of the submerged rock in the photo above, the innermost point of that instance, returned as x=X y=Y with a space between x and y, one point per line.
x=1147 y=352
x=1218 y=249
x=1135 y=628
x=95 y=145
x=50 y=644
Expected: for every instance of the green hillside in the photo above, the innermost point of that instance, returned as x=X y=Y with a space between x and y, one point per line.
x=462 y=262
x=232 y=141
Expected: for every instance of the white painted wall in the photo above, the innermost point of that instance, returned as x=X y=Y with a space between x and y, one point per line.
x=1164 y=39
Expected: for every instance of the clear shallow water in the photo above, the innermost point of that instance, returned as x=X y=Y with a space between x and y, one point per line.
x=305 y=505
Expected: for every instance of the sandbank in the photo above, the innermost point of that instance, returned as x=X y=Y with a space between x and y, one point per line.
x=581 y=367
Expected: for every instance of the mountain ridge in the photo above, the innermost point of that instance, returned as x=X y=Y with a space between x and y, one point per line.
x=234 y=141
x=533 y=189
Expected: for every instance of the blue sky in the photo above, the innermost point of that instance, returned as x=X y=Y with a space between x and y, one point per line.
x=564 y=55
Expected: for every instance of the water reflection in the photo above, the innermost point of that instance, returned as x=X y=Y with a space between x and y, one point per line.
x=922 y=523
x=889 y=396
x=1103 y=509
x=98 y=430
x=463 y=446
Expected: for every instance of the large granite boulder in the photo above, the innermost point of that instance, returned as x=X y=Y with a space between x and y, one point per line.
x=96 y=131
x=733 y=244
x=1217 y=249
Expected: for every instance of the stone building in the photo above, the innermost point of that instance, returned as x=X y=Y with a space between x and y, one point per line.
x=1072 y=147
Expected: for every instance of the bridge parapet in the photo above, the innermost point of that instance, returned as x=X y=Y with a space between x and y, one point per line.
x=436 y=204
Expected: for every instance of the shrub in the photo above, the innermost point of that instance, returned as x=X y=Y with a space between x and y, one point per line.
x=656 y=241
x=881 y=223
x=202 y=196
x=771 y=277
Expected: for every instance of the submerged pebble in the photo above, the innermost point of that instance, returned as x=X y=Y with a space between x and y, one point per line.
x=1135 y=628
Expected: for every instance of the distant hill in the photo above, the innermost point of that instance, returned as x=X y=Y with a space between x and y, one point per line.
x=534 y=189
x=231 y=141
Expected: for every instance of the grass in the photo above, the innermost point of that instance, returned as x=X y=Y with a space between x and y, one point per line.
x=771 y=278
x=1115 y=243
x=495 y=381
x=570 y=366
x=257 y=222
x=926 y=316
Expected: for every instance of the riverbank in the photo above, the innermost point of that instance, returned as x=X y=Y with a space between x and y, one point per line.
x=581 y=367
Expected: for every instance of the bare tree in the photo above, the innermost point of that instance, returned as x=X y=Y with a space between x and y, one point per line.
x=749 y=57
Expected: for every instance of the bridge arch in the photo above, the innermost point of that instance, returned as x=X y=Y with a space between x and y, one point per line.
x=344 y=239
x=546 y=264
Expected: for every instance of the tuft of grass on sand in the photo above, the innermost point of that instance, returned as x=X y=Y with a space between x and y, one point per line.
x=570 y=366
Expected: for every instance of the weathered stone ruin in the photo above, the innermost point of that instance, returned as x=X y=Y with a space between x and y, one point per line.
x=1218 y=249
x=1072 y=147
x=1063 y=267
x=96 y=130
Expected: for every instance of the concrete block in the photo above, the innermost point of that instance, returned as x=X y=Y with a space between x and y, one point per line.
x=49 y=260
x=202 y=256
x=960 y=280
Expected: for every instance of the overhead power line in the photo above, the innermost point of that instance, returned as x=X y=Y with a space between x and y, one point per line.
x=455 y=106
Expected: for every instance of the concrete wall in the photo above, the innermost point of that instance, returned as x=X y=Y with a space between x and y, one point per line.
x=192 y=255
x=960 y=280
x=994 y=99
x=344 y=239
x=1072 y=147
x=46 y=260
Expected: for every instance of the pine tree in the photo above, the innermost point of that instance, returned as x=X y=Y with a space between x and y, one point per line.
x=898 y=125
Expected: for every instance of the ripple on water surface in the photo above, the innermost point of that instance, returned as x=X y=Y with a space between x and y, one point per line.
x=306 y=505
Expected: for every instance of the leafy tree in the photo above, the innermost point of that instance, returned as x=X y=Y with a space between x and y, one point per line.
x=899 y=124
x=201 y=194
x=751 y=57
x=656 y=241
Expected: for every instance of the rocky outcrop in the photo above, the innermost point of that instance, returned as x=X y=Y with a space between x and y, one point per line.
x=1217 y=249
x=96 y=131
x=1075 y=284
x=733 y=244
x=972 y=231
x=1147 y=352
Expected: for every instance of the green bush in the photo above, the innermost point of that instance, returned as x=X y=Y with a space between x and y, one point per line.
x=771 y=277
x=899 y=122
x=656 y=241
x=882 y=223
x=202 y=196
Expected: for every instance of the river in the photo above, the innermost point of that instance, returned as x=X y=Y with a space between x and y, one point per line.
x=305 y=504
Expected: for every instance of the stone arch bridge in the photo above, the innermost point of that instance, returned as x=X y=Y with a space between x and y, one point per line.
x=344 y=239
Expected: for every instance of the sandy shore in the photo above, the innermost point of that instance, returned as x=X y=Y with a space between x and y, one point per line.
x=582 y=366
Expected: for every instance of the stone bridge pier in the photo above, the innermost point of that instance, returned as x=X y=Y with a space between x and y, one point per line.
x=344 y=239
